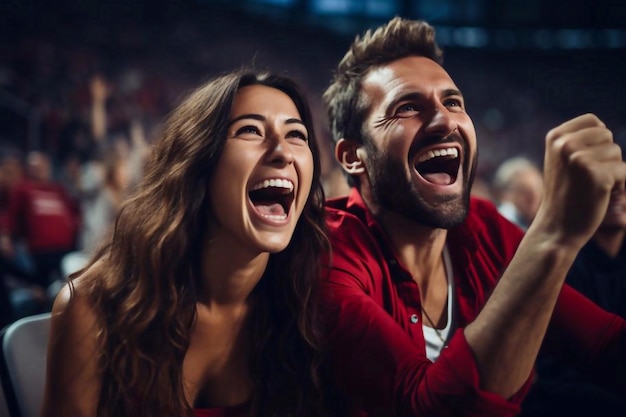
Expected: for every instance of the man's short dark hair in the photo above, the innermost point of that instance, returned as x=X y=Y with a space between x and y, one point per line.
x=396 y=39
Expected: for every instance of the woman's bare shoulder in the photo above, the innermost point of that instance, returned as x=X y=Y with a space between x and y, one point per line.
x=73 y=377
x=74 y=304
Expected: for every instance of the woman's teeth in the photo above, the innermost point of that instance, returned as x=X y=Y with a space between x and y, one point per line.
x=278 y=183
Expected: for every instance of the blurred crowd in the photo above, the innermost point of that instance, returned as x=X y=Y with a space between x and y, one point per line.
x=56 y=207
x=82 y=98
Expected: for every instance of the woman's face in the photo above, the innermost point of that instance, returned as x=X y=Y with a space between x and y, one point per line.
x=263 y=178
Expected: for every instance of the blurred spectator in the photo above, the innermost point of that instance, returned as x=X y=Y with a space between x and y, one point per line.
x=115 y=167
x=101 y=210
x=70 y=175
x=518 y=187
x=104 y=174
x=41 y=213
x=20 y=296
x=11 y=172
x=599 y=272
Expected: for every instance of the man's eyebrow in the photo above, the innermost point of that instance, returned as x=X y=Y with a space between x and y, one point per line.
x=451 y=92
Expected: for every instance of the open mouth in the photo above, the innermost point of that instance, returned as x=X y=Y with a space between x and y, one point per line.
x=272 y=198
x=439 y=166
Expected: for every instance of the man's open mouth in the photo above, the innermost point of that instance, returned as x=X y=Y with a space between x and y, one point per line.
x=439 y=166
x=272 y=198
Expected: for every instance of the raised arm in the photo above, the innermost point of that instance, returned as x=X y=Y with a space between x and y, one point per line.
x=99 y=94
x=382 y=370
x=582 y=166
x=72 y=379
x=138 y=152
x=378 y=356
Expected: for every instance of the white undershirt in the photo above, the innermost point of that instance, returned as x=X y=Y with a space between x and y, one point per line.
x=433 y=342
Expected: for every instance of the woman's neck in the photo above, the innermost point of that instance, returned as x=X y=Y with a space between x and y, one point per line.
x=228 y=276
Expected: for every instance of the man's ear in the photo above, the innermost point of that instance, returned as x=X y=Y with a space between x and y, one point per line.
x=350 y=155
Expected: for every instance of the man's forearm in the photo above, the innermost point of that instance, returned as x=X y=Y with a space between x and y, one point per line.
x=507 y=334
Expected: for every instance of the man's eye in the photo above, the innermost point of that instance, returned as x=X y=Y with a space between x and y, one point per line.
x=406 y=108
x=454 y=103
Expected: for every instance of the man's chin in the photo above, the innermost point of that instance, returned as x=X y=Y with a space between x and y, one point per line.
x=445 y=216
x=444 y=222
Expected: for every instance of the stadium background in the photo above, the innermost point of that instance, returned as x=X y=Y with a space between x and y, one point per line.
x=524 y=66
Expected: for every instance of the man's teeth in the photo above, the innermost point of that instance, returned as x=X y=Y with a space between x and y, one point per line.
x=453 y=152
x=278 y=183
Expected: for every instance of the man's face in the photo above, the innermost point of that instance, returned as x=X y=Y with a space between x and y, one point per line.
x=420 y=144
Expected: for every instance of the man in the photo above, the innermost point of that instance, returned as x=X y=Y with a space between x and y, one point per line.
x=418 y=265
x=518 y=186
x=41 y=213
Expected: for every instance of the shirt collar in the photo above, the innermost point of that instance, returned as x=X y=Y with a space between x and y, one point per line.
x=464 y=234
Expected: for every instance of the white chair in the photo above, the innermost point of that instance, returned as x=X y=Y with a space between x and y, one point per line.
x=24 y=345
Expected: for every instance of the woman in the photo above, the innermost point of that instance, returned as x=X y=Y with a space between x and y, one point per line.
x=203 y=302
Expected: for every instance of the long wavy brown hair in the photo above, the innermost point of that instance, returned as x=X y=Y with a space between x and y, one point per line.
x=145 y=290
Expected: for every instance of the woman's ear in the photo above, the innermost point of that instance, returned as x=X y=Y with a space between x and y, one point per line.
x=350 y=155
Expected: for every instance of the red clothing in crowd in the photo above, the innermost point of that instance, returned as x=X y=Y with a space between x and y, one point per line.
x=378 y=352
x=43 y=215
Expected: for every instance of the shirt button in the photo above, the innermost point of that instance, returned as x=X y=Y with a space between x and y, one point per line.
x=414 y=318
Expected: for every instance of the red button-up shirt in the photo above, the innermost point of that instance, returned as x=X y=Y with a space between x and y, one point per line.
x=378 y=352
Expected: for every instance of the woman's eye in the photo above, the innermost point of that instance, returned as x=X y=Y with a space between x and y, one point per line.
x=248 y=129
x=298 y=135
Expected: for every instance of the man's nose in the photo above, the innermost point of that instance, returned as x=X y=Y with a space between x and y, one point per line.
x=441 y=121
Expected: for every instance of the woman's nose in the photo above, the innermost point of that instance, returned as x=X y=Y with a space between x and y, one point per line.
x=280 y=152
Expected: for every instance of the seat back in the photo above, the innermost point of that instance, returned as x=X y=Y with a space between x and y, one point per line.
x=24 y=345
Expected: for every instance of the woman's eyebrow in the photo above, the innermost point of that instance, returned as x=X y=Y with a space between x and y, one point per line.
x=261 y=118
x=247 y=116
x=294 y=120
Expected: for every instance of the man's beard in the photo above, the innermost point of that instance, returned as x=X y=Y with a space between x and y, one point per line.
x=394 y=192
